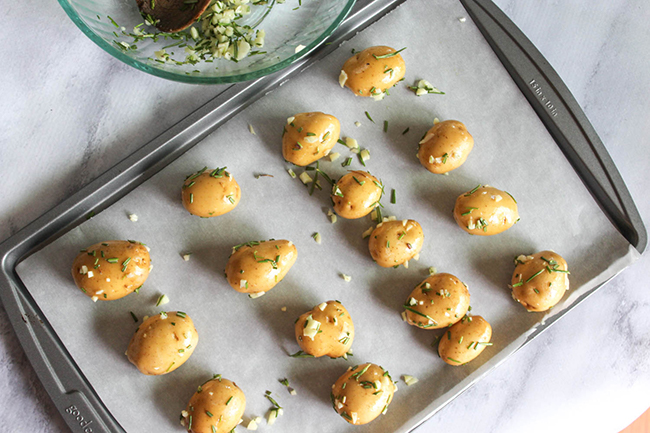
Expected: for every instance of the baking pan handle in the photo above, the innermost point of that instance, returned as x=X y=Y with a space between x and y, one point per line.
x=562 y=116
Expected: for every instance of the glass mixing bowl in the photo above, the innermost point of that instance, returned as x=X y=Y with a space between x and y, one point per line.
x=293 y=28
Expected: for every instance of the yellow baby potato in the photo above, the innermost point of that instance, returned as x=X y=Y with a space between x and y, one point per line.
x=437 y=302
x=256 y=267
x=210 y=193
x=539 y=281
x=112 y=269
x=163 y=343
x=326 y=330
x=362 y=393
x=465 y=340
x=216 y=407
x=356 y=194
x=373 y=71
x=393 y=243
x=445 y=147
x=485 y=211
x=307 y=137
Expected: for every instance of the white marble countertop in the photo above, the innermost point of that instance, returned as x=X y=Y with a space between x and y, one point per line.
x=70 y=111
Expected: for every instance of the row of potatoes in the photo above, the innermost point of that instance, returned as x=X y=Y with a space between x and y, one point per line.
x=113 y=269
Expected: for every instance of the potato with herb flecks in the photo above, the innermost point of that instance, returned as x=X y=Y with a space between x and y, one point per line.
x=112 y=269
x=216 y=407
x=362 y=393
x=465 y=340
x=485 y=211
x=393 y=243
x=210 y=193
x=539 y=281
x=257 y=266
x=307 y=137
x=356 y=194
x=325 y=330
x=445 y=147
x=373 y=71
x=163 y=343
x=437 y=302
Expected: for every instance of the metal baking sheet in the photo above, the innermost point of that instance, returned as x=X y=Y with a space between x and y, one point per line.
x=248 y=340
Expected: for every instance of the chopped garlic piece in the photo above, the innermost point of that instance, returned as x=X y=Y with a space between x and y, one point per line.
x=343 y=77
x=334 y=156
x=252 y=425
x=311 y=327
x=290 y=119
x=404 y=316
x=242 y=284
x=299 y=48
x=94 y=298
x=436 y=120
x=322 y=306
x=409 y=380
x=432 y=270
x=305 y=178
x=256 y=295
x=162 y=300
x=90 y=274
x=462 y=19
x=367 y=232
x=351 y=143
x=346 y=278
x=317 y=237
x=133 y=217
x=83 y=270
x=291 y=173
x=283 y=309
x=357 y=123
x=365 y=155
x=187 y=256
x=250 y=128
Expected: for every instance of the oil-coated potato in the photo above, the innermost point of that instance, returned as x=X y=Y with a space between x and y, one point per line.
x=307 y=137
x=465 y=340
x=216 y=407
x=325 y=330
x=256 y=267
x=163 y=343
x=445 y=147
x=373 y=71
x=356 y=194
x=362 y=393
x=393 y=243
x=485 y=211
x=209 y=193
x=539 y=281
x=111 y=270
x=437 y=302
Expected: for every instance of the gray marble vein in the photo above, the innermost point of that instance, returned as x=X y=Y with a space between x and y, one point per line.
x=71 y=111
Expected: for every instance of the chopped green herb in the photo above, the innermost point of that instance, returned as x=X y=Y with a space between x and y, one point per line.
x=385 y=56
x=369 y=118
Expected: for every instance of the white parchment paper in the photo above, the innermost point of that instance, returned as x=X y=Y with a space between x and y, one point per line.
x=248 y=340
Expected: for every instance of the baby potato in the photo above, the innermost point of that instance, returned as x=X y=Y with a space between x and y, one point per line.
x=373 y=71
x=112 y=269
x=362 y=393
x=437 y=302
x=325 y=330
x=163 y=343
x=445 y=147
x=465 y=340
x=393 y=243
x=256 y=267
x=216 y=407
x=210 y=193
x=485 y=211
x=539 y=281
x=307 y=137
x=356 y=194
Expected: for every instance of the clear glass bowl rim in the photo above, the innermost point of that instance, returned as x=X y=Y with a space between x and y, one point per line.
x=194 y=79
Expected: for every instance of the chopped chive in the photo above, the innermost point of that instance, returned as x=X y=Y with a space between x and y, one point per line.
x=536 y=274
x=469 y=211
x=385 y=56
x=191 y=198
x=169 y=368
x=229 y=400
x=301 y=354
x=339 y=141
x=112 y=260
x=369 y=118
x=406 y=130
x=473 y=191
x=444 y=158
x=135 y=319
x=513 y=199
x=452 y=359
x=208 y=413
x=181 y=314
x=385 y=125
x=358 y=181
x=347 y=162
x=419 y=314
x=521 y=283
x=392 y=196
